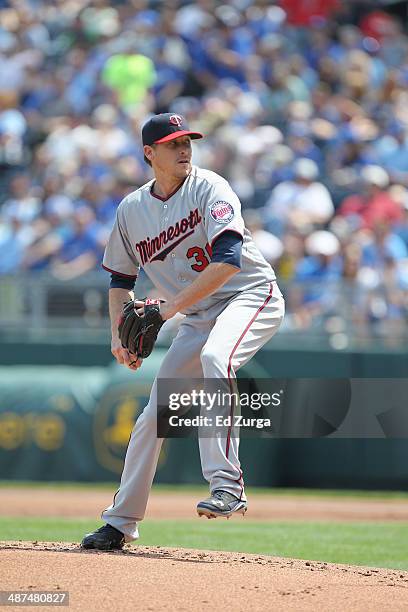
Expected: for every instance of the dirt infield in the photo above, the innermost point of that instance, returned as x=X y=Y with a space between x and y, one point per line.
x=141 y=578
x=152 y=578
x=45 y=501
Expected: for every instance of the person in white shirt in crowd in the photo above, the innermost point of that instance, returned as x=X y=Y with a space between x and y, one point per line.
x=270 y=246
x=302 y=202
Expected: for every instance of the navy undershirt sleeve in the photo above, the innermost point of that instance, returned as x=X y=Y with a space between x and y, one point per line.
x=120 y=282
x=227 y=249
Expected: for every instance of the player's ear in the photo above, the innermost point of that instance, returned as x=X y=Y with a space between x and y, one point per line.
x=148 y=152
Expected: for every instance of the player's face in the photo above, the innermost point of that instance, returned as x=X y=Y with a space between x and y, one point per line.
x=173 y=158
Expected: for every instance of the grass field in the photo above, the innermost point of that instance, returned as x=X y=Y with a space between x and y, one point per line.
x=372 y=544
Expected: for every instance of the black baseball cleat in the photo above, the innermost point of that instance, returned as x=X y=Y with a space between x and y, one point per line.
x=104 y=538
x=221 y=503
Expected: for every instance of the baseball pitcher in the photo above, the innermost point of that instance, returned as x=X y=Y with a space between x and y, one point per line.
x=185 y=229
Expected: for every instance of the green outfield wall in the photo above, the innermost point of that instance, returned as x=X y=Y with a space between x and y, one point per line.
x=73 y=423
x=281 y=361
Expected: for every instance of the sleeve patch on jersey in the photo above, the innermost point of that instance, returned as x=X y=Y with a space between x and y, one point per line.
x=222 y=212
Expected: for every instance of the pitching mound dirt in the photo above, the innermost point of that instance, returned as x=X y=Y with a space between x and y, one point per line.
x=153 y=578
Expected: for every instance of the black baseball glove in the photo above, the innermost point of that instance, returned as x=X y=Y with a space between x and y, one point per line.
x=138 y=333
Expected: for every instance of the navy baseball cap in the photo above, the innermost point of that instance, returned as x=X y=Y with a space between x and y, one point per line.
x=165 y=127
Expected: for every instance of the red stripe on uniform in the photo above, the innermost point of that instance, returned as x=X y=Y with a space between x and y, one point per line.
x=230 y=362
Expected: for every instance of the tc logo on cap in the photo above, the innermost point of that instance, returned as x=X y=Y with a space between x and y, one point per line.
x=176 y=120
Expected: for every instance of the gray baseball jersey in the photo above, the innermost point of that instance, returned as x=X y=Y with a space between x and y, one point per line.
x=171 y=238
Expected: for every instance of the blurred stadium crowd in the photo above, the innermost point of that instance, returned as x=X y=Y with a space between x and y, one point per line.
x=305 y=108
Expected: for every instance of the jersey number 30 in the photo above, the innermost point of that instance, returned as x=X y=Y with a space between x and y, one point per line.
x=202 y=257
